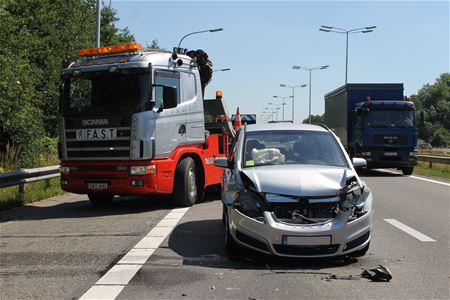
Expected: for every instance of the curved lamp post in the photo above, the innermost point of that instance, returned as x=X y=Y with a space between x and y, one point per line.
x=347 y=32
x=310 y=70
x=293 y=87
x=197 y=32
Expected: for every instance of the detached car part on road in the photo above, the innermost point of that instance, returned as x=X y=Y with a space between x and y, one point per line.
x=291 y=190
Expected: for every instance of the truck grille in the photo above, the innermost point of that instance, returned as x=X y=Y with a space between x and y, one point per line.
x=388 y=139
x=116 y=149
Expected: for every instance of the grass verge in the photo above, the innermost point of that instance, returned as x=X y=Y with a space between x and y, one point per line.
x=35 y=191
x=438 y=170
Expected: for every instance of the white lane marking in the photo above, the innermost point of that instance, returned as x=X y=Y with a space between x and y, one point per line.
x=136 y=256
x=168 y=222
x=98 y=292
x=418 y=235
x=115 y=280
x=119 y=274
x=150 y=242
x=415 y=177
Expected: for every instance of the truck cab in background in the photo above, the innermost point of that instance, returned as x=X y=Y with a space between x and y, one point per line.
x=374 y=122
x=133 y=123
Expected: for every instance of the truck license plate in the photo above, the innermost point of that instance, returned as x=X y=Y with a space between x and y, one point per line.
x=390 y=153
x=97 y=185
x=95 y=134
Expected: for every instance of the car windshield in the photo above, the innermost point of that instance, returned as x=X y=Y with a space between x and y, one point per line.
x=277 y=147
x=105 y=93
x=385 y=118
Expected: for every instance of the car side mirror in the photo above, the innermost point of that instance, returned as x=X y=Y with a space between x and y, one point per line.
x=223 y=163
x=359 y=162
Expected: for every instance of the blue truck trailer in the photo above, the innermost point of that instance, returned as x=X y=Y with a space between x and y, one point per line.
x=375 y=122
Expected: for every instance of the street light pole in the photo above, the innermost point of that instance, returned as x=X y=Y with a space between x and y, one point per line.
x=310 y=72
x=293 y=87
x=347 y=32
x=197 y=32
x=283 y=102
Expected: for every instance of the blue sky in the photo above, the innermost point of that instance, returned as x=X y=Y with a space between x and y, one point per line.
x=262 y=40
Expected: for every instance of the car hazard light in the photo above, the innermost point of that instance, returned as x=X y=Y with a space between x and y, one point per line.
x=110 y=49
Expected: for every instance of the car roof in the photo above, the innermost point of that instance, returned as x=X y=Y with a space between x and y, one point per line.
x=284 y=126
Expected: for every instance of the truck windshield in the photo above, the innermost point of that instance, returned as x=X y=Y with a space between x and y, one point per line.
x=395 y=118
x=279 y=147
x=105 y=93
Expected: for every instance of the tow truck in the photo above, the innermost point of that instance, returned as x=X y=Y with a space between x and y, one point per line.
x=134 y=122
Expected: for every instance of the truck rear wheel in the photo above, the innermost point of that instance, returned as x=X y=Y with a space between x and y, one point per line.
x=100 y=199
x=186 y=183
x=407 y=170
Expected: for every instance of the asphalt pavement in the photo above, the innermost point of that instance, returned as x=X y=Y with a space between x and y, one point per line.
x=144 y=248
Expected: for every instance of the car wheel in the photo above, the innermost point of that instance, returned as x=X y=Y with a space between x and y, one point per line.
x=100 y=199
x=407 y=170
x=361 y=252
x=231 y=247
x=186 y=185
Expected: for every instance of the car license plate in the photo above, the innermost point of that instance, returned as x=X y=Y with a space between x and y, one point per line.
x=97 y=185
x=95 y=134
x=306 y=240
x=390 y=153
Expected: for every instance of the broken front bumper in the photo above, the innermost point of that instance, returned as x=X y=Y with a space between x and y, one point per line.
x=333 y=238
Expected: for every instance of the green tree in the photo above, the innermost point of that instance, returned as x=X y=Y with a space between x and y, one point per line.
x=109 y=33
x=315 y=119
x=39 y=38
x=434 y=101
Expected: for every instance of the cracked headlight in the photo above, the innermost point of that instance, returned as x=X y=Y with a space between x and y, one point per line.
x=250 y=203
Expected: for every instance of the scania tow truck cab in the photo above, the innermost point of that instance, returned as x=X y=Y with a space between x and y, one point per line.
x=132 y=123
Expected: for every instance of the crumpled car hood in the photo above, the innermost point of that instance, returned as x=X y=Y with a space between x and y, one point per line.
x=299 y=180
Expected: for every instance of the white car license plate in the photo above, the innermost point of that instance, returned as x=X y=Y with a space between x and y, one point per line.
x=390 y=153
x=97 y=185
x=306 y=240
x=95 y=134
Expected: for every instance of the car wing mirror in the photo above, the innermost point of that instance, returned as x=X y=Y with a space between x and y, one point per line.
x=359 y=162
x=223 y=163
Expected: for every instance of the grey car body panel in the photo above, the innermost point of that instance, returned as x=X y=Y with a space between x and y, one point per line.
x=299 y=180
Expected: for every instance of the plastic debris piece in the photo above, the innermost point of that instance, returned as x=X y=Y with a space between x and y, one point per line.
x=232 y=289
x=212 y=287
x=380 y=273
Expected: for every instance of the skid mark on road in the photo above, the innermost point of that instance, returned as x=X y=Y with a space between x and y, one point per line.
x=115 y=280
x=418 y=235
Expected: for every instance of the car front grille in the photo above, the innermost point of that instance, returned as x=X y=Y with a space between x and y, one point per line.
x=306 y=250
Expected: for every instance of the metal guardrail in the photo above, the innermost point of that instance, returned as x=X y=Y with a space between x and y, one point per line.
x=23 y=176
x=434 y=159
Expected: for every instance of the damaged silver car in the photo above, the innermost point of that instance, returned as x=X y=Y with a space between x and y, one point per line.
x=291 y=190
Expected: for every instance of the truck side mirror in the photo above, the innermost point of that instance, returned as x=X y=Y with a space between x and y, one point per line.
x=354 y=115
x=165 y=97
x=422 y=118
x=61 y=95
x=170 y=96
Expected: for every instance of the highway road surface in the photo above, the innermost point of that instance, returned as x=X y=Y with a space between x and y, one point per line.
x=138 y=248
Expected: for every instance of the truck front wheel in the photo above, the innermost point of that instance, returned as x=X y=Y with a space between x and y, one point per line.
x=100 y=199
x=407 y=170
x=186 y=183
